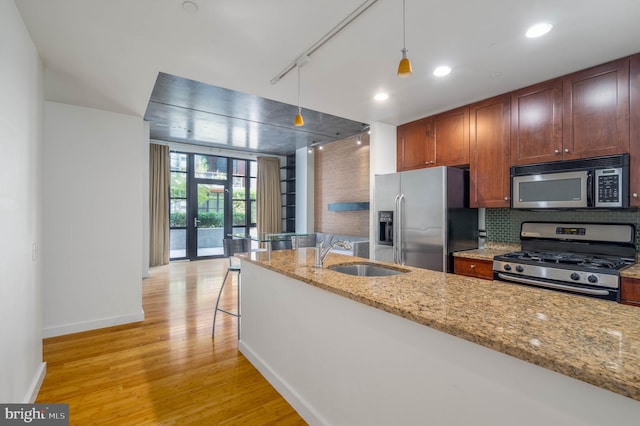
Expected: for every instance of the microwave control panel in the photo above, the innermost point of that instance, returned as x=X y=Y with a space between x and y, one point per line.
x=609 y=188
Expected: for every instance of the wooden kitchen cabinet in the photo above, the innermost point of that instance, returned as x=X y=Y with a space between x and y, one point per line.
x=414 y=149
x=596 y=111
x=489 y=146
x=439 y=140
x=630 y=291
x=469 y=267
x=536 y=123
x=450 y=133
x=634 y=130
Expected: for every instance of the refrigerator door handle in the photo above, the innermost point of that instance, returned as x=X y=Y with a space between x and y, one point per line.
x=396 y=209
x=400 y=228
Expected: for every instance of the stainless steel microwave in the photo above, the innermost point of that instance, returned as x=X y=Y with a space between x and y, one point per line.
x=601 y=182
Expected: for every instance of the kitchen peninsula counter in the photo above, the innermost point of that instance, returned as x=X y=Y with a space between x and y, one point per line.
x=594 y=341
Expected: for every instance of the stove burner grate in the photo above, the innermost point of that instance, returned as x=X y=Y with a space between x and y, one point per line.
x=567 y=259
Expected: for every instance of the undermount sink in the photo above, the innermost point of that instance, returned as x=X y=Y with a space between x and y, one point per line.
x=366 y=270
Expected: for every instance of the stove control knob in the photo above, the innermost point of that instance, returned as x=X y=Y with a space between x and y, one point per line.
x=507 y=267
x=592 y=279
x=575 y=276
x=520 y=268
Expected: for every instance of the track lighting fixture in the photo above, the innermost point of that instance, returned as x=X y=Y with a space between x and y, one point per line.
x=404 y=68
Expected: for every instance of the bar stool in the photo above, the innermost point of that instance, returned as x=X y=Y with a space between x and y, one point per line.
x=230 y=247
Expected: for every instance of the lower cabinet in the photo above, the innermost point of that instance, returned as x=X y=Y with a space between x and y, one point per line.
x=477 y=268
x=630 y=291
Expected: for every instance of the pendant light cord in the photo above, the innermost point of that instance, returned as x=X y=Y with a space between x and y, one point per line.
x=404 y=31
x=298 y=90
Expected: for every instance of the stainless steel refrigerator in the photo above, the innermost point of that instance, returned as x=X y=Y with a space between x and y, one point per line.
x=422 y=217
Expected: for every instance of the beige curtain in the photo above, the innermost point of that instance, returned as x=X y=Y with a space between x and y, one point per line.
x=158 y=205
x=268 y=200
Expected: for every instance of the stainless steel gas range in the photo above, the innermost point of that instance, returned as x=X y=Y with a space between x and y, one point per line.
x=578 y=258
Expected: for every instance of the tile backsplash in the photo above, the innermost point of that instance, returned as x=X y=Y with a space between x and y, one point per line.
x=503 y=225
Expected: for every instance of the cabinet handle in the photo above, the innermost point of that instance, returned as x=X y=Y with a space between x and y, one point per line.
x=506 y=198
x=472 y=266
x=566 y=150
x=635 y=195
x=556 y=151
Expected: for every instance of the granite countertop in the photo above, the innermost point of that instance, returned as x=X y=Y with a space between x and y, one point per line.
x=631 y=272
x=489 y=251
x=592 y=340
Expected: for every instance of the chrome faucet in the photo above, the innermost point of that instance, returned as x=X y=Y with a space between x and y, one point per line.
x=322 y=252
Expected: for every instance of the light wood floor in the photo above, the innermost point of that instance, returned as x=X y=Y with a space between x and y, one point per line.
x=165 y=370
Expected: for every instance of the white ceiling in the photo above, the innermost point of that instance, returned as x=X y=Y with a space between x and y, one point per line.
x=106 y=54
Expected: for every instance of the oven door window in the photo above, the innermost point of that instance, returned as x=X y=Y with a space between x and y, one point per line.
x=553 y=190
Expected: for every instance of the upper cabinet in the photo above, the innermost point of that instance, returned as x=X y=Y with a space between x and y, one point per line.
x=415 y=150
x=439 y=140
x=634 y=130
x=585 y=114
x=451 y=137
x=589 y=113
x=489 y=153
x=596 y=111
x=536 y=123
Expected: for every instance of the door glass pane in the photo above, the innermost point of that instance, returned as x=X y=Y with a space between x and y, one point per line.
x=252 y=199
x=239 y=212
x=240 y=167
x=178 y=185
x=238 y=190
x=210 y=219
x=210 y=167
x=178 y=213
x=177 y=243
x=178 y=205
x=254 y=212
x=178 y=162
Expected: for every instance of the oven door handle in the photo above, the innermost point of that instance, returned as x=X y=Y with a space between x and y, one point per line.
x=554 y=286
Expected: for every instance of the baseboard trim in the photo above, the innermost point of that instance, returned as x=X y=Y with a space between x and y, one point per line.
x=32 y=393
x=92 y=325
x=302 y=407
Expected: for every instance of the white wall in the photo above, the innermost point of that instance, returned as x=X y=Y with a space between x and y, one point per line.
x=146 y=249
x=382 y=160
x=305 y=180
x=92 y=218
x=21 y=366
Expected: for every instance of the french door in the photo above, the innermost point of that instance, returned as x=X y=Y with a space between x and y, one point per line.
x=208 y=203
x=211 y=198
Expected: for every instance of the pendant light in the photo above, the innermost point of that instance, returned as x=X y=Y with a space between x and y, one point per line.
x=404 y=69
x=299 y=121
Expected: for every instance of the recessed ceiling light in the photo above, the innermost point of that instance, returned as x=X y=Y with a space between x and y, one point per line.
x=441 y=71
x=190 y=7
x=381 y=96
x=538 y=30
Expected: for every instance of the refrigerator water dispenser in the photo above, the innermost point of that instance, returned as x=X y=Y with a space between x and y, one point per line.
x=385 y=225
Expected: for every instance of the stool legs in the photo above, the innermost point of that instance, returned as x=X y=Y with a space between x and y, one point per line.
x=215 y=312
